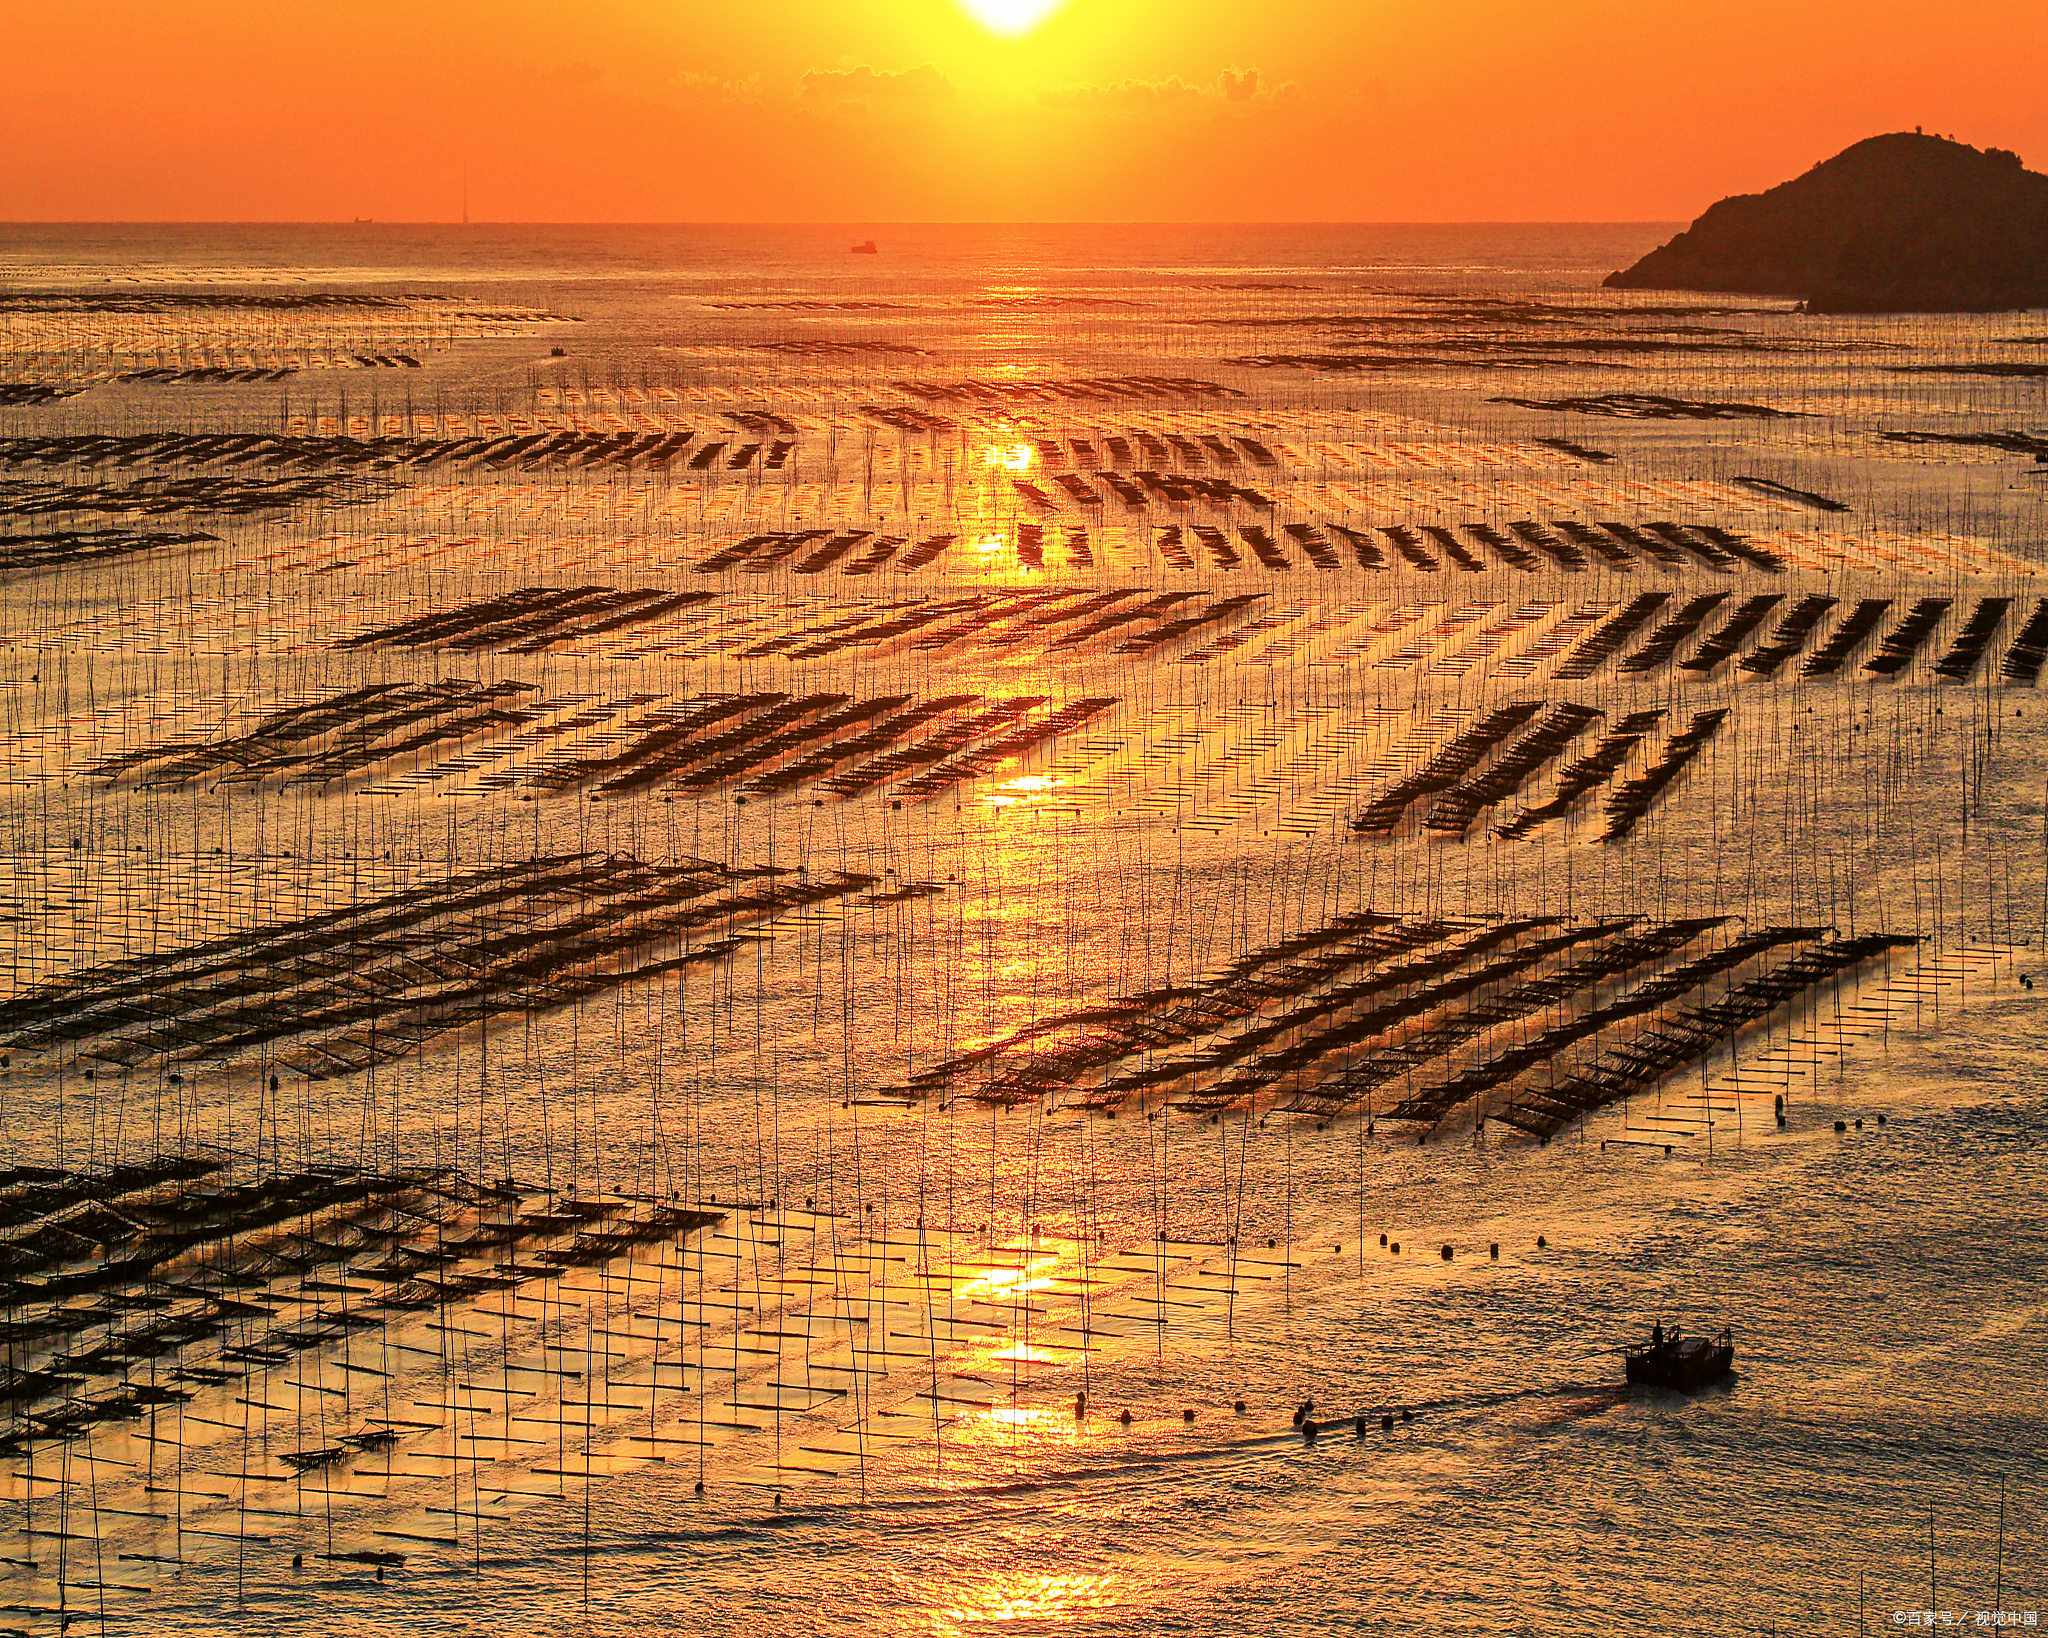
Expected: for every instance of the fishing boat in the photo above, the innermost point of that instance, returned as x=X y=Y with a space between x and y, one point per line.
x=866 y=247
x=1681 y=1362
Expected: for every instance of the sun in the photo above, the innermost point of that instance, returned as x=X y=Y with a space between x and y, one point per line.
x=1011 y=17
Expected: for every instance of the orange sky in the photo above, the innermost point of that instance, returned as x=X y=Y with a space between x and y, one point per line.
x=910 y=110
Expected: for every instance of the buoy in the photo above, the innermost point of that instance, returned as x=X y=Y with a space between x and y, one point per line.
x=1859 y=1123
x=1447 y=1253
x=1779 y=1102
x=1407 y=1415
x=3 y=1064
x=1187 y=1416
x=1308 y=1429
x=700 y=1487
x=778 y=1501
x=273 y=1083
x=1841 y=1126
x=1383 y=1240
x=1387 y=1421
x=1541 y=1242
x=1493 y=1250
x=1125 y=1419
x=1238 y=1406
x=298 y=1561
x=1338 y=1249
x=1361 y=1427
x=1395 y=1248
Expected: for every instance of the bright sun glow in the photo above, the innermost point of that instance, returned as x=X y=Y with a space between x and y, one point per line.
x=1011 y=16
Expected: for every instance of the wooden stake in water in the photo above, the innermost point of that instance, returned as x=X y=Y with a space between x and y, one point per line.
x=1998 y=1594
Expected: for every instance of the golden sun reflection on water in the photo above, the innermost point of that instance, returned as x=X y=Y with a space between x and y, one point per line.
x=1009 y=457
x=999 y=1283
x=1010 y=1355
x=1019 y=1597
x=993 y=1440
x=1038 y=1419
x=1013 y=791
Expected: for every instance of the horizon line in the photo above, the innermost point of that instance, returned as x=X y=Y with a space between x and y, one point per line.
x=1076 y=221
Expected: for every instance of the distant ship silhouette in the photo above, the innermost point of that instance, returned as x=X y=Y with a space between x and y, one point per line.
x=866 y=247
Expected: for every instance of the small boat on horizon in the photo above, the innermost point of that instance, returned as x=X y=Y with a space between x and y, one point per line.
x=867 y=247
x=1680 y=1363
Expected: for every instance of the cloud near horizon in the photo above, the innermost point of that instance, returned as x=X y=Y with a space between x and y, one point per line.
x=711 y=88
x=1232 y=88
x=891 y=87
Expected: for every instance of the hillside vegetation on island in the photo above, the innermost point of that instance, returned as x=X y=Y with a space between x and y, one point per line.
x=1899 y=223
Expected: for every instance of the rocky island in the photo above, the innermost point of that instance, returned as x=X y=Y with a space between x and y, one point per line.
x=1903 y=223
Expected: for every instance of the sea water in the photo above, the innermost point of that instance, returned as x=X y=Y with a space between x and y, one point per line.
x=1877 y=1452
